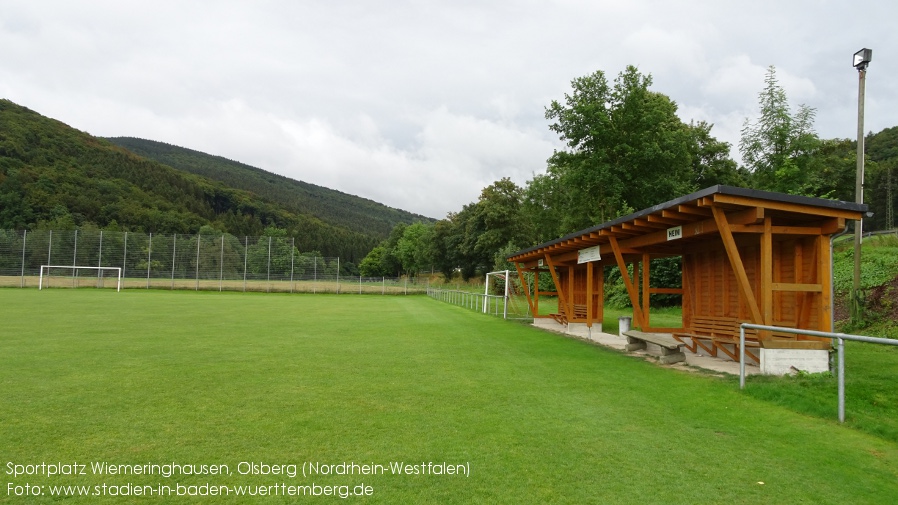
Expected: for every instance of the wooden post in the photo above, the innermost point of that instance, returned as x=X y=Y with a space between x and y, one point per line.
x=562 y=301
x=646 y=260
x=589 y=302
x=631 y=290
x=824 y=275
x=526 y=287
x=600 y=295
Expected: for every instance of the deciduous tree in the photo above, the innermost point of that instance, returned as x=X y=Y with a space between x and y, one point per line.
x=627 y=149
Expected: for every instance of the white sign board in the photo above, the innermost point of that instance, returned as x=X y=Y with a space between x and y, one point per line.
x=675 y=233
x=588 y=254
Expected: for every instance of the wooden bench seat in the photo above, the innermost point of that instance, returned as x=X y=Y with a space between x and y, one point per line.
x=713 y=334
x=671 y=349
x=562 y=318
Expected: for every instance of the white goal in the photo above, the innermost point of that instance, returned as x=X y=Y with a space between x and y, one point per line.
x=512 y=302
x=72 y=272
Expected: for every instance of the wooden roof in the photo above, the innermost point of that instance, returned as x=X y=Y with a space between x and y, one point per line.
x=648 y=229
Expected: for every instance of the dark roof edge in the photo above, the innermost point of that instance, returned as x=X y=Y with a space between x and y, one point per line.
x=712 y=190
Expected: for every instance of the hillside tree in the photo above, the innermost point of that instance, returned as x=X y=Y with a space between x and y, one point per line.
x=778 y=147
x=627 y=149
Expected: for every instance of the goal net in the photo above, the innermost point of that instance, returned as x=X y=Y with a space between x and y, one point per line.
x=77 y=276
x=504 y=295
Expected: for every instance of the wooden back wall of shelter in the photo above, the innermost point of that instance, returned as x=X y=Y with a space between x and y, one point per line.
x=711 y=289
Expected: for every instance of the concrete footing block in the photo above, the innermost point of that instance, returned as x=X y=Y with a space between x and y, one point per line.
x=785 y=361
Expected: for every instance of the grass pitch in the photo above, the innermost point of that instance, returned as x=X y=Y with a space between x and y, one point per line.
x=249 y=382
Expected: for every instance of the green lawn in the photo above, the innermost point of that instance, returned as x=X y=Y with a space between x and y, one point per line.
x=222 y=378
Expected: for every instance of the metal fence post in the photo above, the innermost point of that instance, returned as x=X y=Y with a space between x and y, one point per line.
x=174 y=254
x=268 y=268
x=24 y=241
x=149 y=258
x=841 y=379
x=100 y=261
x=75 y=259
x=292 y=253
x=199 y=239
x=245 y=251
x=125 y=258
x=221 y=264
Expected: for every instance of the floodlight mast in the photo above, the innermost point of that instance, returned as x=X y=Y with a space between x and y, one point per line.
x=860 y=61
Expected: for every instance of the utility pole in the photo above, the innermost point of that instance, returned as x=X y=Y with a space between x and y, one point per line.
x=861 y=60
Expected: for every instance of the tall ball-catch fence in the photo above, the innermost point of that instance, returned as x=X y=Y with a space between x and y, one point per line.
x=220 y=262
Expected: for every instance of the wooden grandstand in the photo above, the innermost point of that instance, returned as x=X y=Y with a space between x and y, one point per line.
x=747 y=256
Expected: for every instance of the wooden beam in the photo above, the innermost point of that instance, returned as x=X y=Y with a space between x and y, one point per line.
x=676 y=216
x=785 y=206
x=777 y=230
x=570 y=292
x=801 y=298
x=824 y=277
x=526 y=287
x=631 y=290
x=589 y=313
x=807 y=300
x=832 y=226
x=705 y=227
x=636 y=227
x=646 y=304
x=536 y=292
x=568 y=310
x=649 y=224
x=654 y=218
x=695 y=211
x=767 y=272
x=666 y=291
x=688 y=301
x=600 y=295
x=752 y=215
x=619 y=230
x=732 y=251
x=797 y=287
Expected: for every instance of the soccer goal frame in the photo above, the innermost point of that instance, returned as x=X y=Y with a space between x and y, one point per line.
x=502 y=274
x=118 y=271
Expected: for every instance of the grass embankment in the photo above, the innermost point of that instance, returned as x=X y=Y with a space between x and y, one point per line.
x=207 y=378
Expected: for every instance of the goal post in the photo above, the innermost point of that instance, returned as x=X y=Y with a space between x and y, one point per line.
x=76 y=268
x=501 y=274
x=504 y=288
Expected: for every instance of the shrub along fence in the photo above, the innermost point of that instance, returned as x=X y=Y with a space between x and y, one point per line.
x=198 y=262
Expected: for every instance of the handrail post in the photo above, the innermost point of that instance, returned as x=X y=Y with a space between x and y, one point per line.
x=840 y=337
x=741 y=356
x=841 y=347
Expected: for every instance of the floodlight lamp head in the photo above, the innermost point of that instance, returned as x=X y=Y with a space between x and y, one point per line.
x=862 y=58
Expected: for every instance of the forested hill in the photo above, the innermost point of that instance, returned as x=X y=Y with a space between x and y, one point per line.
x=356 y=213
x=53 y=176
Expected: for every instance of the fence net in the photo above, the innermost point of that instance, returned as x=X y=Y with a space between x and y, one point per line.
x=197 y=262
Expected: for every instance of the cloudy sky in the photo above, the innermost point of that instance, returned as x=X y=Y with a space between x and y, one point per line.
x=421 y=104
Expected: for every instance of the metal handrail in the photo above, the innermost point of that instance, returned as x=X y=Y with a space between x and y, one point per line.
x=840 y=337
